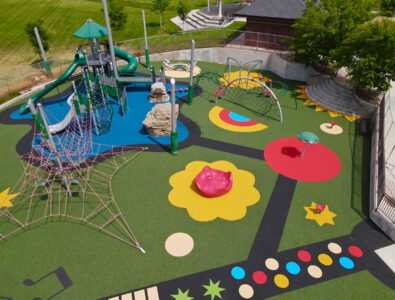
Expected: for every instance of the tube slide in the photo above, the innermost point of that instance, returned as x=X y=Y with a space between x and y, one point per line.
x=79 y=60
x=131 y=67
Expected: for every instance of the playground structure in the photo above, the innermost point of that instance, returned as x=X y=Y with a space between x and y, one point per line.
x=97 y=68
x=248 y=88
x=60 y=166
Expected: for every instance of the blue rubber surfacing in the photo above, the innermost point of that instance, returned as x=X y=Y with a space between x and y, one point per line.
x=125 y=129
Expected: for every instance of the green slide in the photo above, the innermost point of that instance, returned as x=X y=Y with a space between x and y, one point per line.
x=131 y=67
x=79 y=60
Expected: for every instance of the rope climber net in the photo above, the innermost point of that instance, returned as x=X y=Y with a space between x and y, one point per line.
x=245 y=85
x=66 y=175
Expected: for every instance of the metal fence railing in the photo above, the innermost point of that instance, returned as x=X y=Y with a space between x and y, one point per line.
x=25 y=77
x=386 y=160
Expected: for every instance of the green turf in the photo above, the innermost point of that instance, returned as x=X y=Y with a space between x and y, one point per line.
x=152 y=219
x=100 y=265
x=63 y=17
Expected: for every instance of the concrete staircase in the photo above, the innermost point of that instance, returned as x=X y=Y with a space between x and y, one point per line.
x=196 y=19
x=338 y=96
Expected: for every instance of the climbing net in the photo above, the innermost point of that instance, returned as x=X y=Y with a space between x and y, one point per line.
x=73 y=182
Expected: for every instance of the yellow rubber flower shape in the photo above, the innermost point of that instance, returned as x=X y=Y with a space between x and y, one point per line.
x=232 y=206
x=243 y=83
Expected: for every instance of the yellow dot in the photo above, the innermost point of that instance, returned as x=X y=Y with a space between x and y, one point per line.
x=325 y=259
x=281 y=281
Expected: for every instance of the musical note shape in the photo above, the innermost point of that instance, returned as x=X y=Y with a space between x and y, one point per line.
x=62 y=276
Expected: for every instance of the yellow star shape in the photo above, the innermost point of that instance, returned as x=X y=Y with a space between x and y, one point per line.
x=5 y=198
x=325 y=216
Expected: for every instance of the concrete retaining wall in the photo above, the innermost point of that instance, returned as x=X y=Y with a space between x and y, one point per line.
x=271 y=61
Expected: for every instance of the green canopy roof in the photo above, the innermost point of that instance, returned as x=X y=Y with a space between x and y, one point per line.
x=90 y=30
x=308 y=137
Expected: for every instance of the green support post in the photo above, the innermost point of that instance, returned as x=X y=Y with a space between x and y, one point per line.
x=174 y=142
x=191 y=66
x=174 y=133
x=48 y=67
x=77 y=106
x=147 y=62
x=190 y=94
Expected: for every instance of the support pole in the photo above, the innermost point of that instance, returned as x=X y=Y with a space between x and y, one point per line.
x=208 y=5
x=147 y=62
x=220 y=8
x=46 y=63
x=174 y=142
x=304 y=149
x=162 y=74
x=192 y=66
x=53 y=148
x=229 y=70
x=76 y=109
x=114 y=62
x=92 y=48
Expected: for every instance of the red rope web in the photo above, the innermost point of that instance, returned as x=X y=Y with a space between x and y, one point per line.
x=85 y=169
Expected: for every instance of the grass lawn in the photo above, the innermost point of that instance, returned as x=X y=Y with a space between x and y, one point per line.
x=62 y=18
x=100 y=265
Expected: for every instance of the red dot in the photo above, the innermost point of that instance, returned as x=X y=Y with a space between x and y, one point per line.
x=355 y=251
x=304 y=256
x=259 y=277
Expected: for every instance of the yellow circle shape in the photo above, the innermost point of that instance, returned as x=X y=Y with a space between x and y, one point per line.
x=243 y=83
x=216 y=120
x=334 y=248
x=281 y=281
x=231 y=206
x=246 y=291
x=272 y=264
x=314 y=271
x=325 y=259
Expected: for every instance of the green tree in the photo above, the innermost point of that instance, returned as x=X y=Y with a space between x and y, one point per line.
x=159 y=6
x=182 y=10
x=324 y=25
x=368 y=53
x=118 y=17
x=29 y=29
x=387 y=7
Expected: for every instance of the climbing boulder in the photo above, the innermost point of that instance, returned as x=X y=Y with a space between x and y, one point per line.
x=158 y=120
x=158 y=93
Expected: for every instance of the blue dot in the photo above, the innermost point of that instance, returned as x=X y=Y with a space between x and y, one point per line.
x=238 y=273
x=346 y=263
x=237 y=117
x=293 y=268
